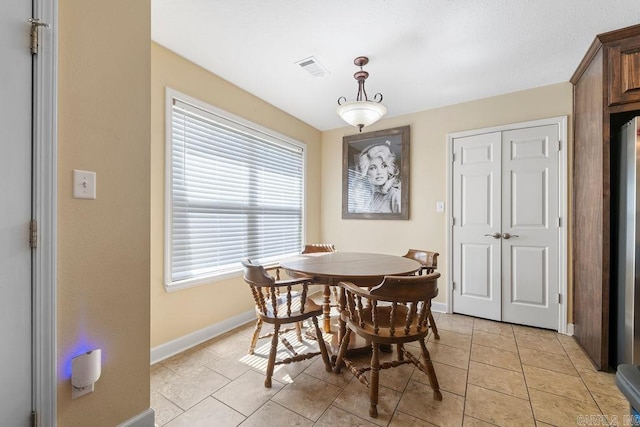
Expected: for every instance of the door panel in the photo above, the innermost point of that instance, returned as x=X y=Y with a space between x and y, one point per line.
x=531 y=187
x=15 y=213
x=476 y=277
x=526 y=265
x=476 y=267
x=530 y=214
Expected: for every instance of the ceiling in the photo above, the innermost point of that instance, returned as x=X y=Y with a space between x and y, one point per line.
x=423 y=53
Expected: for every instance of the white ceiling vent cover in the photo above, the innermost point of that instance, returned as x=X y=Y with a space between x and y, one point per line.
x=312 y=66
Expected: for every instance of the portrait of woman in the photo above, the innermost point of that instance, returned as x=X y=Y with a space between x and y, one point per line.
x=375 y=166
x=378 y=164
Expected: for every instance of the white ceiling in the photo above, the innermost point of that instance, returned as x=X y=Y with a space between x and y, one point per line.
x=423 y=53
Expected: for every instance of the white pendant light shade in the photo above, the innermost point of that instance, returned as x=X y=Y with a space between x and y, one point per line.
x=361 y=113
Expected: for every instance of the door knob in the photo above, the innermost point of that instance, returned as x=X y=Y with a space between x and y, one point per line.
x=508 y=236
x=495 y=235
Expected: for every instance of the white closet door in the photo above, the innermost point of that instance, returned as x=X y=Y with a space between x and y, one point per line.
x=477 y=227
x=506 y=235
x=530 y=213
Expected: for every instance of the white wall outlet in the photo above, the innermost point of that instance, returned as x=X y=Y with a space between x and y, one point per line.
x=439 y=207
x=84 y=184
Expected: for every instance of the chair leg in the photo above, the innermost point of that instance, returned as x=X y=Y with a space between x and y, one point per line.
x=322 y=345
x=299 y=331
x=431 y=373
x=434 y=328
x=399 y=350
x=344 y=344
x=272 y=355
x=256 y=334
x=375 y=379
x=326 y=308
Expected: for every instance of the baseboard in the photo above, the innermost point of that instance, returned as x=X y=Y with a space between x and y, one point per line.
x=185 y=342
x=439 y=307
x=143 y=419
x=570 y=329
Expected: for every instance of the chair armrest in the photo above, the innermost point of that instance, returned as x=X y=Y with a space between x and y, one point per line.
x=275 y=268
x=355 y=289
x=291 y=282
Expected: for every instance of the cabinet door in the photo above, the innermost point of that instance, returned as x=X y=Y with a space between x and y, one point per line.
x=624 y=71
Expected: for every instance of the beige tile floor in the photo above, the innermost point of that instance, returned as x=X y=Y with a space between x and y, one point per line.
x=490 y=374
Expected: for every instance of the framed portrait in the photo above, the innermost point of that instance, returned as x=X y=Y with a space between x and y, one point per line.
x=375 y=175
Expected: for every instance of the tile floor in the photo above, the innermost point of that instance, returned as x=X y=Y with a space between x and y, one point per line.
x=490 y=374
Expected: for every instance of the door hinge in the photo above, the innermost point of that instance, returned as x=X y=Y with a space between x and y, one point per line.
x=34 y=419
x=33 y=233
x=559 y=145
x=559 y=221
x=559 y=298
x=453 y=157
x=453 y=221
x=35 y=24
x=453 y=285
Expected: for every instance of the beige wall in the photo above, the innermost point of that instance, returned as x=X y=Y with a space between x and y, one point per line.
x=425 y=228
x=103 y=244
x=178 y=313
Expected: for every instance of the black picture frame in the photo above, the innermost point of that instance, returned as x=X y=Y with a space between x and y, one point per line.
x=366 y=194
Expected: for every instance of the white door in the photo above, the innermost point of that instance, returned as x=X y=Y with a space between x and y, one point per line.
x=530 y=213
x=477 y=227
x=15 y=214
x=506 y=230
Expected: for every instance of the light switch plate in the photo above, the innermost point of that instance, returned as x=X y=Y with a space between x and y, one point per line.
x=439 y=207
x=84 y=184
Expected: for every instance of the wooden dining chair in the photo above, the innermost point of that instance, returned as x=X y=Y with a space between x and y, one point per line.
x=279 y=304
x=318 y=247
x=394 y=312
x=313 y=248
x=428 y=259
x=429 y=262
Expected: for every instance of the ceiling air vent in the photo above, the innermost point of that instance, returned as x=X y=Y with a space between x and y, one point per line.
x=312 y=66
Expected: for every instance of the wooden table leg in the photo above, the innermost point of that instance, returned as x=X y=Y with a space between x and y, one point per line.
x=357 y=344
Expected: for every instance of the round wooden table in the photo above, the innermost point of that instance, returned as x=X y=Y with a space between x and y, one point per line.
x=363 y=269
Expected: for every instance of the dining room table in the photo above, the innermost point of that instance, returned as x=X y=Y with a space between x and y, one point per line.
x=361 y=268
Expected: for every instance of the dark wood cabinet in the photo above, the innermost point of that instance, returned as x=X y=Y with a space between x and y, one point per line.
x=624 y=71
x=606 y=94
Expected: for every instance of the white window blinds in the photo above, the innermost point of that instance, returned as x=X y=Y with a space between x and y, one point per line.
x=235 y=192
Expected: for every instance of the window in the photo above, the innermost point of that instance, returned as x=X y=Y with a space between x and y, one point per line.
x=234 y=190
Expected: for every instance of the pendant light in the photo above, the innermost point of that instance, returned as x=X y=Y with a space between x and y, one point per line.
x=361 y=112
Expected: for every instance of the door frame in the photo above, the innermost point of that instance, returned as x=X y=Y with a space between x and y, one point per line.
x=45 y=116
x=561 y=121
